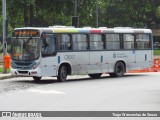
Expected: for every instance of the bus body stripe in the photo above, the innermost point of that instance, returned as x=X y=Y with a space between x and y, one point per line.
x=108 y=31
x=84 y=31
x=95 y=31
x=65 y=31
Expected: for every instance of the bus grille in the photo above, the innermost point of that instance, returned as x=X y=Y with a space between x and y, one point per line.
x=23 y=68
x=23 y=63
x=23 y=72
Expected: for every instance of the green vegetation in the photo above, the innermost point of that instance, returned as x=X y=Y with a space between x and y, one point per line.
x=157 y=52
x=112 y=13
x=1 y=69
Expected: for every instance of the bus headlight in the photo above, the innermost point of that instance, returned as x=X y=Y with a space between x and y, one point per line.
x=35 y=65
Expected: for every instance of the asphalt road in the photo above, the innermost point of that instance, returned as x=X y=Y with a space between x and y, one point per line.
x=133 y=92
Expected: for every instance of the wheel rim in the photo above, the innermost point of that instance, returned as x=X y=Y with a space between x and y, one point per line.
x=119 y=69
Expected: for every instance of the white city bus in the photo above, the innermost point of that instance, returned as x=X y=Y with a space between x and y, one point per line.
x=61 y=51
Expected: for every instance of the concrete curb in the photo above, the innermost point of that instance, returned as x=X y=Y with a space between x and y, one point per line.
x=6 y=77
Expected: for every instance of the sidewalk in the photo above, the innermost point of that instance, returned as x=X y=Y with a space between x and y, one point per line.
x=5 y=76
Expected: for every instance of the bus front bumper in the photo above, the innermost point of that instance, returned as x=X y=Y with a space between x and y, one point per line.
x=34 y=72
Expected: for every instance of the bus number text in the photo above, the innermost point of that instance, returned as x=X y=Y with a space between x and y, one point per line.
x=69 y=57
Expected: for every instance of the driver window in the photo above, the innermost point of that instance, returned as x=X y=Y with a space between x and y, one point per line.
x=48 y=45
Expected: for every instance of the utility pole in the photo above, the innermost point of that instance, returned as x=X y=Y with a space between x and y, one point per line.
x=75 y=7
x=4 y=30
x=97 y=20
x=75 y=18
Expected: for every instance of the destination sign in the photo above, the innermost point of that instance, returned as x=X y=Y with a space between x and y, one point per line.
x=26 y=33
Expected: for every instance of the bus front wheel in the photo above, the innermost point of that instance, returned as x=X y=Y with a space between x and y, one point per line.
x=62 y=74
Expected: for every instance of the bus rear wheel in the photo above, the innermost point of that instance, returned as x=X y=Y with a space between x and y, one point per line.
x=62 y=74
x=119 y=70
x=37 y=79
x=97 y=75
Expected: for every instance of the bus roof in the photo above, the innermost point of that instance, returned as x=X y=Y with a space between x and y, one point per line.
x=86 y=30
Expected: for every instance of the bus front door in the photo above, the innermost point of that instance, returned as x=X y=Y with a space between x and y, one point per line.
x=48 y=67
x=48 y=60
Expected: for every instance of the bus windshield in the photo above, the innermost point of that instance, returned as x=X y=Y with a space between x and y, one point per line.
x=25 y=49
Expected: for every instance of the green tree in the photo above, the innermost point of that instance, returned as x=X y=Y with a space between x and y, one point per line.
x=44 y=13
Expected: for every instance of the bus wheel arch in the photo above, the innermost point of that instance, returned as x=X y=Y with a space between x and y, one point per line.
x=63 y=71
x=119 y=69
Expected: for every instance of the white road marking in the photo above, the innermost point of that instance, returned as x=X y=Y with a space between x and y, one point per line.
x=46 y=91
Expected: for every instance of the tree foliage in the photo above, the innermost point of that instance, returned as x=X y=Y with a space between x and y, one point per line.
x=43 y=13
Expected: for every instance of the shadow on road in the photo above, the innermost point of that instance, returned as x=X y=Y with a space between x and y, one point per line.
x=34 y=82
x=106 y=78
x=54 y=80
x=28 y=82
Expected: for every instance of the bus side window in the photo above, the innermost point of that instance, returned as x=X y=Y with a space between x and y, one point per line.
x=139 y=41
x=96 y=42
x=65 y=42
x=146 y=40
x=80 y=42
x=143 y=41
x=128 y=41
x=112 y=41
x=48 y=45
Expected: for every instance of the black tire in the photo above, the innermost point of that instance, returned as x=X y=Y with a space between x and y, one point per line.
x=62 y=74
x=37 y=79
x=119 y=69
x=97 y=75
